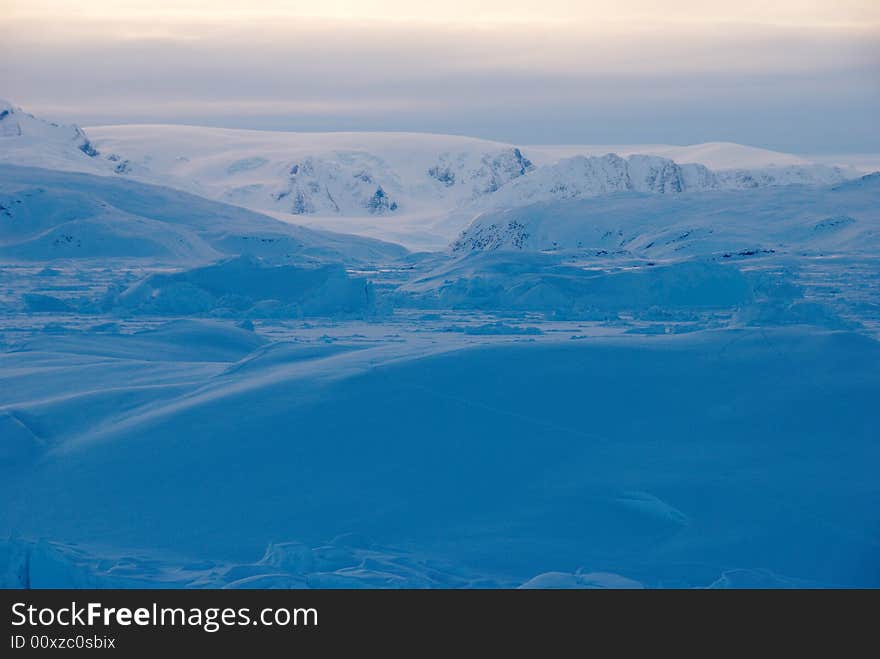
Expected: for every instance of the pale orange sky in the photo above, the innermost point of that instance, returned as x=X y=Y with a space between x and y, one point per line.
x=776 y=73
x=782 y=12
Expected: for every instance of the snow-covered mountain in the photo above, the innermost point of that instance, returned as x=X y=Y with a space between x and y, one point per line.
x=580 y=177
x=414 y=188
x=722 y=222
x=714 y=155
x=28 y=140
x=406 y=174
x=590 y=176
x=347 y=174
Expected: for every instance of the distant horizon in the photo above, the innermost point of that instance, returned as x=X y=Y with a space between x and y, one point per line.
x=323 y=125
x=873 y=156
x=865 y=160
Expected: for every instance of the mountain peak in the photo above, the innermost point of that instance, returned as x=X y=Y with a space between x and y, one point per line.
x=31 y=141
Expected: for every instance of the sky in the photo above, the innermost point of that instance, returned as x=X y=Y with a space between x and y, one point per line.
x=794 y=75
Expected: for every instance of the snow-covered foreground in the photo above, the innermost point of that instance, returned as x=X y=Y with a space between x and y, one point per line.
x=623 y=372
x=407 y=454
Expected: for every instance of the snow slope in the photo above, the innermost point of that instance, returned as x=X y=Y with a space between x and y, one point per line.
x=51 y=215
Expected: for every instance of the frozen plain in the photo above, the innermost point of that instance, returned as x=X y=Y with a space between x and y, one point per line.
x=620 y=390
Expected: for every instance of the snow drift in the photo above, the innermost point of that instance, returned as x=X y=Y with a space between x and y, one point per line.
x=543 y=282
x=245 y=286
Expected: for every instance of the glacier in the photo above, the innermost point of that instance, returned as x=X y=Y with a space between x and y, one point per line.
x=544 y=367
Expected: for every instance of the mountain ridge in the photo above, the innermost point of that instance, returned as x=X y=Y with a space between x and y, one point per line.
x=419 y=189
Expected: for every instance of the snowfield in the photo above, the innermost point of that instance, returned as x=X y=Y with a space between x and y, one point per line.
x=657 y=368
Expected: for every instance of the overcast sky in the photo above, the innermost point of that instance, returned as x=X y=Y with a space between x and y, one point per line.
x=795 y=75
